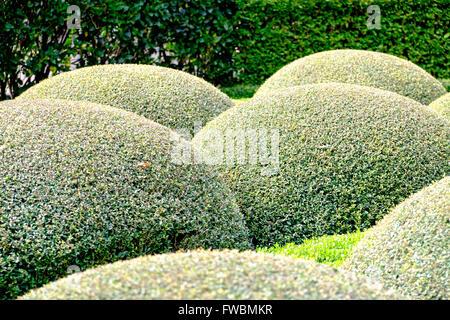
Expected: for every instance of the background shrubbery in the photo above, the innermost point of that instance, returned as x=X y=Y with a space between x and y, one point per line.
x=272 y=33
x=194 y=35
x=222 y=41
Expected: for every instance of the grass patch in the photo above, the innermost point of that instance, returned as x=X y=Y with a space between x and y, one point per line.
x=332 y=250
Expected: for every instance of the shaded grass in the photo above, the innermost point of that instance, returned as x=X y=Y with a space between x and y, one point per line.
x=240 y=91
x=332 y=250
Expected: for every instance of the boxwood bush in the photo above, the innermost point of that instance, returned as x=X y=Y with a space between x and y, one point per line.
x=169 y=97
x=442 y=106
x=409 y=249
x=83 y=184
x=346 y=154
x=213 y=275
x=360 y=67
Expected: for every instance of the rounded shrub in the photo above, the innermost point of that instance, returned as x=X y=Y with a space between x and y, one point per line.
x=84 y=184
x=325 y=158
x=365 y=68
x=409 y=249
x=442 y=106
x=169 y=97
x=213 y=275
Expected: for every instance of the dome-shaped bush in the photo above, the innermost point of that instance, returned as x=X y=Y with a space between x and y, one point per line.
x=410 y=248
x=85 y=184
x=213 y=275
x=169 y=97
x=365 y=68
x=442 y=106
x=345 y=155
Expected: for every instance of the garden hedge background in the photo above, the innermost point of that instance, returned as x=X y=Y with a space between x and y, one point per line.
x=224 y=41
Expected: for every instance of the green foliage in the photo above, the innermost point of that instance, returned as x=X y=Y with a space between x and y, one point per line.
x=193 y=36
x=409 y=249
x=442 y=106
x=365 y=68
x=240 y=91
x=332 y=250
x=190 y=35
x=347 y=154
x=272 y=33
x=34 y=41
x=213 y=275
x=222 y=41
x=169 y=97
x=86 y=184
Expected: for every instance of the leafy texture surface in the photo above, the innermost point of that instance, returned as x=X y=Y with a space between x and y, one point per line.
x=169 y=97
x=442 y=106
x=83 y=184
x=365 y=68
x=270 y=34
x=409 y=249
x=213 y=275
x=347 y=155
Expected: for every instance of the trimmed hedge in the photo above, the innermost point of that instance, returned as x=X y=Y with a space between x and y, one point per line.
x=442 y=106
x=169 y=97
x=347 y=154
x=272 y=33
x=86 y=184
x=213 y=275
x=409 y=249
x=359 y=67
